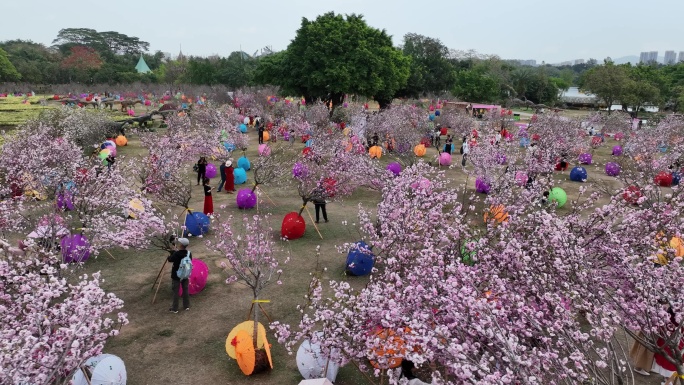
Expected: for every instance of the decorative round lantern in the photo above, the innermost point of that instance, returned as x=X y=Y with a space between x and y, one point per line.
x=559 y=196
x=264 y=150
x=663 y=179
x=307 y=151
x=121 y=140
x=431 y=117
x=585 y=158
x=246 y=198
x=105 y=369
x=293 y=226
x=536 y=137
x=312 y=364
x=360 y=259
x=243 y=128
x=375 y=152
x=617 y=150
x=64 y=201
x=229 y=146
x=394 y=168
x=75 y=248
x=632 y=194
x=496 y=213
x=135 y=207
x=240 y=346
x=239 y=175
x=391 y=351
x=578 y=174
x=244 y=163
x=198 y=277
x=299 y=170
x=524 y=142
x=196 y=223
x=437 y=113
x=501 y=159
x=619 y=136
x=444 y=159
x=482 y=186
x=210 y=171
x=419 y=150
x=612 y=169
x=266 y=136
x=520 y=178
x=443 y=131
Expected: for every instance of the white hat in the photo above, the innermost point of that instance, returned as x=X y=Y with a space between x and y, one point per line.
x=229 y=163
x=184 y=241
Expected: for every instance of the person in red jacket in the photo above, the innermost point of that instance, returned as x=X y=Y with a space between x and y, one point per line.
x=229 y=186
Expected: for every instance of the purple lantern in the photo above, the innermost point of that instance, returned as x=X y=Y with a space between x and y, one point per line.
x=286 y=136
x=612 y=169
x=444 y=159
x=482 y=186
x=501 y=159
x=617 y=150
x=211 y=171
x=75 y=248
x=585 y=158
x=64 y=201
x=246 y=198
x=300 y=170
x=395 y=168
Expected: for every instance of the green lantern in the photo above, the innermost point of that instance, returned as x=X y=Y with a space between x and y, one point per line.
x=559 y=196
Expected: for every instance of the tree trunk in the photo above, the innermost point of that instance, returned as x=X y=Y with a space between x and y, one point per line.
x=384 y=102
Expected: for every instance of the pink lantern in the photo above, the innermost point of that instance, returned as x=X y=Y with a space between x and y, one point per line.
x=148 y=103
x=211 y=171
x=444 y=159
x=264 y=149
x=198 y=277
x=520 y=178
x=619 y=136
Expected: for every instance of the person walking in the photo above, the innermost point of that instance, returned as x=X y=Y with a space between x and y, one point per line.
x=208 y=199
x=448 y=144
x=319 y=202
x=465 y=150
x=176 y=283
x=229 y=186
x=222 y=171
x=201 y=169
x=292 y=137
x=260 y=129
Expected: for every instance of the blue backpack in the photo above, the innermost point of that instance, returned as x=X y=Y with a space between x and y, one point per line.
x=185 y=268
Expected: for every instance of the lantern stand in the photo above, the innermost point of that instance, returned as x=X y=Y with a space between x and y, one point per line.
x=259 y=302
x=158 y=280
x=312 y=221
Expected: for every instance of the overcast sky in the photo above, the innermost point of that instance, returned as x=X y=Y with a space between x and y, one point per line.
x=547 y=30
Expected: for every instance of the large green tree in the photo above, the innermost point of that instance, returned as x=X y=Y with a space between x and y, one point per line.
x=336 y=55
x=476 y=85
x=430 y=70
x=7 y=71
x=609 y=82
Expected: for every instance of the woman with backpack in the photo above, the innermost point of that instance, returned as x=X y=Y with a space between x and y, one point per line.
x=180 y=273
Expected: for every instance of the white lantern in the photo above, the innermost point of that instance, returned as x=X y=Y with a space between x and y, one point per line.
x=105 y=369
x=312 y=363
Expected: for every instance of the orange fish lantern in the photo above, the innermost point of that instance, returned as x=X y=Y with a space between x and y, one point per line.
x=419 y=150
x=121 y=141
x=375 y=152
x=240 y=346
x=392 y=349
x=496 y=213
x=267 y=136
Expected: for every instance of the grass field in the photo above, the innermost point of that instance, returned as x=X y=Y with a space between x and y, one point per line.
x=189 y=347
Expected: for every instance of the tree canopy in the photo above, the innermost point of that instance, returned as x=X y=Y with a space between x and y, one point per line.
x=430 y=69
x=7 y=71
x=336 y=55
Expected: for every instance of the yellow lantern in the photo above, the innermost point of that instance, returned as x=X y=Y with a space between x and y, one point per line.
x=267 y=136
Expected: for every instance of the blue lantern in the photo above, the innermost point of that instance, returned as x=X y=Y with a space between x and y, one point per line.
x=240 y=175
x=196 y=223
x=244 y=164
x=360 y=260
x=578 y=174
x=243 y=128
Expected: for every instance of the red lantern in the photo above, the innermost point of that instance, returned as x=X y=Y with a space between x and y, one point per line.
x=307 y=151
x=536 y=137
x=305 y=137
x=443 y=131
x=330 y=187
x=342 y=126
x=293 y=226
x=663 y=179
x=632 y=194
x=475 y=134
x=425 y=142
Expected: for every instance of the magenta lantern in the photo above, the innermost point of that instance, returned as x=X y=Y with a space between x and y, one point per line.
x=198 y=277
x=444 y=159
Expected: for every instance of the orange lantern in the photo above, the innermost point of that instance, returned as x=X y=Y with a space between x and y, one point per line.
x=393 y=349
x=267 y=136
x=677 y=244
x=121 y=140
x=375 y=152
x=496 y=213
x=419 y=150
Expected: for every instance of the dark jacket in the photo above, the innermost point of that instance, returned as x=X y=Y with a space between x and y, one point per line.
x=176 y=259
x=222 y=170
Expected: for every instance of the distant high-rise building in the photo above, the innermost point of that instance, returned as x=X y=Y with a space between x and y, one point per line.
x=681 y=55
x=648 y=57
x=579 y=61
x=527 y=62
x=670 y=57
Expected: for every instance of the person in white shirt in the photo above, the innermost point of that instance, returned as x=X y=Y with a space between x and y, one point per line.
x=465 y=150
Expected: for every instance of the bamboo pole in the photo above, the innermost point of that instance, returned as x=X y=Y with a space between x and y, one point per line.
x=312 y=221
